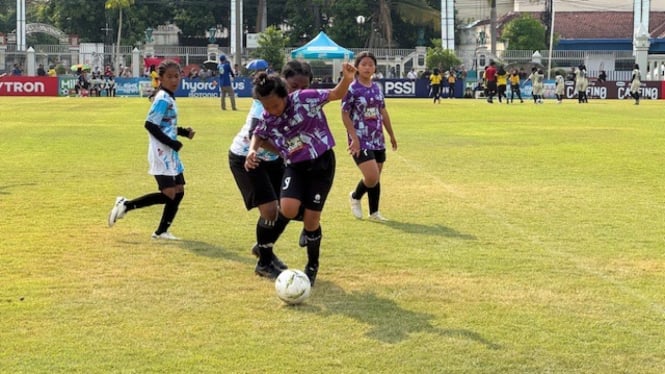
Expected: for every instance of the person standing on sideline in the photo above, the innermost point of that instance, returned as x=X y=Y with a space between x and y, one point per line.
x=452 y=78
x=365 y=116
x=536 y=79
x=490 y=77
x=635 y=83
x=501 y=84
x=559 y=87
x=163 y=156
x=260 y=187
x=581 y=84
x=296 y=126
x=225 y=79
x=435 y=85
x=515 y=86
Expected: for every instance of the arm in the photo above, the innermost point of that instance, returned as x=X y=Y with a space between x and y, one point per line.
x=155 y=131
x=343 y=86
x=251 y=160
x=354 y=146
x=387 y=124
x=188 y=132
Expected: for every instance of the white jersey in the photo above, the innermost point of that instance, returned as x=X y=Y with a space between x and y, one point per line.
x=635 y=83
x=559 y=84
x=240 y=144
x=163 y=159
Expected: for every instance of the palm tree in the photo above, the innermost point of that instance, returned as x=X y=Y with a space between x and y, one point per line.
x=120 y=5
x=415 y=12
x=493 y=26
x=262 y=16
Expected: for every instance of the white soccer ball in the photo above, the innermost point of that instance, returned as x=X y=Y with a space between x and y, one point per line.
x=292 y=286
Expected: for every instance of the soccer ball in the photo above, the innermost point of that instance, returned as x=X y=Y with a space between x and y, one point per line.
x=292 y=286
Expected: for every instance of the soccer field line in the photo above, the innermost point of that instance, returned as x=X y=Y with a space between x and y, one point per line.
x=533 y=239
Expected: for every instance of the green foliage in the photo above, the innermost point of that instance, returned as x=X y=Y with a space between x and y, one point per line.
x=525 y=33
x=437 y=57
x=345 y=30
x=271 y=47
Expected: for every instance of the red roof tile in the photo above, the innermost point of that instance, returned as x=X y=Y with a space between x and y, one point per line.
x=595 y=25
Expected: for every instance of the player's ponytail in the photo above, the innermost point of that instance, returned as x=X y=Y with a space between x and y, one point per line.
x=265 y=85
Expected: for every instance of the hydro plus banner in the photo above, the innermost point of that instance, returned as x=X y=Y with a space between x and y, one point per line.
x=210 y=87
x=132 y=87
x=28 y=86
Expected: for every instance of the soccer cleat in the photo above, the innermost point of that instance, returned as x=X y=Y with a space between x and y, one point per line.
x=275 y=260
x=118 y=211
x=376 y=216
x=165 y=236
x=267 y=271
x=311 y=271
x=356 y=209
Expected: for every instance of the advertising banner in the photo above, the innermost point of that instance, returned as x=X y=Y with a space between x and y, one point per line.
x=651 y=90
x=28 y=86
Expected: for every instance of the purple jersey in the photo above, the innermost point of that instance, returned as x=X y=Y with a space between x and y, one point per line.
x=301 y=133
x=364 y=105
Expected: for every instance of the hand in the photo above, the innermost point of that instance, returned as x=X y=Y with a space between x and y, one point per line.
x=393 y=142
x=349 y=70
x=251 y=161
x=191 y=133
x=354 y=147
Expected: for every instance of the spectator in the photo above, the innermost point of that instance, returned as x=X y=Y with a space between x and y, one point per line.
x=40 y=71
x=52 y=72
x=412 y=74
x=226 y=75
x=602 y=77
x=16 y=70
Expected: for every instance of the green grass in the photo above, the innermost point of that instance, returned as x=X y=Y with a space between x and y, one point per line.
x=523 y=238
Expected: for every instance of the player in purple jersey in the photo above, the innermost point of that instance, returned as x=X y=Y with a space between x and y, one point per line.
x=365 y=116
x=296 y=126
x=260 y=187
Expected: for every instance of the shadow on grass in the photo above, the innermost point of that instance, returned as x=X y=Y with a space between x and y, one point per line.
x=416 y=228
x=213 y=251
x=389 y=322
x=7 y=187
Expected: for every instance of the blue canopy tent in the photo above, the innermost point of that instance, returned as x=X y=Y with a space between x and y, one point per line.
x=322 y=48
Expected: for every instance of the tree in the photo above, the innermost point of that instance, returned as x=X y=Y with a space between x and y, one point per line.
x=437 y=57
x=524 y=33
x=119 y=5
x=271 y=47
x=414 y=12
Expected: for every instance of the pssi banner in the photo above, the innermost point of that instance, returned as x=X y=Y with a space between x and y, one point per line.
x=28 y=86
x=418 y=88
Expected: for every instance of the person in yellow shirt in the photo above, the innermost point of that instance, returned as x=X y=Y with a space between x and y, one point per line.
x=435 y=85
x=451 y=83
x=51 y=71
x=515 y=86
x=501 y=82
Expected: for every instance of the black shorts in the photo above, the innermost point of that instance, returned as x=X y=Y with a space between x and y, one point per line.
x=370 y=154
x=167 y=181
x=310 y=181
x=260 y=185
x=491 y=86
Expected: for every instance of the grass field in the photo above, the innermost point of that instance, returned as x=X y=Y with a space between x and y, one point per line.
x=523 y=239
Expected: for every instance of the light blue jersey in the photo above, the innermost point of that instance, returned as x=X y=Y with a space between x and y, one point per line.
x=163 y=159
x=240 y=145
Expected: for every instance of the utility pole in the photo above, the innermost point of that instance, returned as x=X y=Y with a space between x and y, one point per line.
x=20 y=26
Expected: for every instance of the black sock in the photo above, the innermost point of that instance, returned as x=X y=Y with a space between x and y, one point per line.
x=146 y=200
x=267 y=233
x=170 y=210
x=313 y=247
x=373 y=195
x=360 y=190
